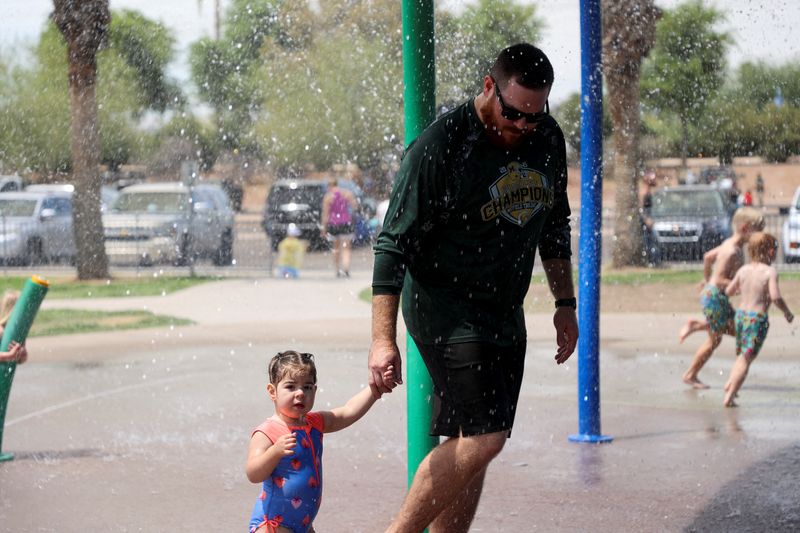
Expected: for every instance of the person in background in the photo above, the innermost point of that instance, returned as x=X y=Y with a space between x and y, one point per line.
x=760 y=189
x=757 y=283
x=652 y=249
x=291 y=251
x=338 y=212
x=720 y=265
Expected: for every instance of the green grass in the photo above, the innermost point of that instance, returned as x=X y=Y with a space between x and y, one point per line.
x=629 y=277
x=63 y=288
x=68 y=321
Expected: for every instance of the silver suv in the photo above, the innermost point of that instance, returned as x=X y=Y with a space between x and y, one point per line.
x=36 y=227
x=169 y=222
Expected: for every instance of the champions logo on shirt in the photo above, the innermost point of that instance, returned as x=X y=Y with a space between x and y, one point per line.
x=518 y=194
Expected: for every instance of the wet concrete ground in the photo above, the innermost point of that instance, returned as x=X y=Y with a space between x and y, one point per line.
x=147 y=430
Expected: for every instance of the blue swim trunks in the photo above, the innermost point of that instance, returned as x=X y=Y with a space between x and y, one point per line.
x=751 y=330
x=716 y=308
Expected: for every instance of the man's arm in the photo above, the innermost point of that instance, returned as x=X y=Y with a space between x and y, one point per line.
x=384 y=353
x=559 y=278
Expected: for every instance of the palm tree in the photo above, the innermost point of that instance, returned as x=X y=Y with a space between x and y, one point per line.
x=84 y=25
x=629 y=30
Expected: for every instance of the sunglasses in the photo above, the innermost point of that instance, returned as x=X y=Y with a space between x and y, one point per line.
x=513 y=114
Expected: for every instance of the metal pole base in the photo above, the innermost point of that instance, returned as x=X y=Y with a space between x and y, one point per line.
x=583 y=437
x=6 y=457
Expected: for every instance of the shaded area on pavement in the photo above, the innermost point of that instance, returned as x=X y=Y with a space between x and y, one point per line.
x=765 y=497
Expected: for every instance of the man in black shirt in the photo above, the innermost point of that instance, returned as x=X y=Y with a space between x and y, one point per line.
x=476 y=194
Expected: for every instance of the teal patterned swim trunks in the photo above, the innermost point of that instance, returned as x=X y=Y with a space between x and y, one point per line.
x=716 y=308
x=751 y=330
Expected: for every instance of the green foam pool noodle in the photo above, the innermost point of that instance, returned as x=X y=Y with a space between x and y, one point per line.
x=17 y=328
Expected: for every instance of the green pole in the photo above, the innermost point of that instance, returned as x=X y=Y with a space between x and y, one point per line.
x=17 y=328
x=419 y=78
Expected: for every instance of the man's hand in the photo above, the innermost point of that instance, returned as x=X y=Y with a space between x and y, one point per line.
x=566 y=324
x=384 y=361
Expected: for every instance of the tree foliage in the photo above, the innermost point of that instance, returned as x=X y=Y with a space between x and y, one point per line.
x=467 y=44
x=686 y=68
x=330 y=90
x=35 y=107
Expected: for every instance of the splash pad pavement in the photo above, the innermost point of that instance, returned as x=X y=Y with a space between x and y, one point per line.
x=147 y=430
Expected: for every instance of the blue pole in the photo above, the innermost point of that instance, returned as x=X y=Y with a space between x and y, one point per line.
x=591 y=222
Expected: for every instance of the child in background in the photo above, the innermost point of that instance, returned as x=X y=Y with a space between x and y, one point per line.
x=757 y=282
x=720 y=264
x=291 y=251
x=16 y=352
x=285 y=453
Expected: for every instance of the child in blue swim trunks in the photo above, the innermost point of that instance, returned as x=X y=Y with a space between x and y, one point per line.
x=757 y=282
x=720 y=264
x=285 y=453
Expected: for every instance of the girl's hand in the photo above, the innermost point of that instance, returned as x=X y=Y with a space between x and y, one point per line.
x=389 y=378
x=286 y=443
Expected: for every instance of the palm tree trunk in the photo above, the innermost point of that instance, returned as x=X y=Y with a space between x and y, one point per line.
x=624 y=108
x=628 y=35
x=91 y=259
x=84 y=24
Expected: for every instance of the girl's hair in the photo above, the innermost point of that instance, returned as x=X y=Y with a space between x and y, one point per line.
x=761 y=246
x=10 y=298
x=291 y=363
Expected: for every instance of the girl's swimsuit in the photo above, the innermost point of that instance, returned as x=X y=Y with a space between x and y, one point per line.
x=716 y=308
x=751 y=330
x=292 y=494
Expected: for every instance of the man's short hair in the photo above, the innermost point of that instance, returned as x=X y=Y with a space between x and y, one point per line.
x=525 y=63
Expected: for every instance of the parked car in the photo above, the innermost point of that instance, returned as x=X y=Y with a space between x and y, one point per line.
x=36 y=227
x=790 y=237
x=107 y=194
x=162 y=222
x=299 y=202
x=690 y=220
x=10 y=182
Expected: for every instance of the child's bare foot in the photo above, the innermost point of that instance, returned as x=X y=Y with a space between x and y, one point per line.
x=695 y=383
x=690 y=327
x=730 y=403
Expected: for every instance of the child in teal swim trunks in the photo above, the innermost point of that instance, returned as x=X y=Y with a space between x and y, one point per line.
x=285 y=453
x=757 y=282
x=720 y=264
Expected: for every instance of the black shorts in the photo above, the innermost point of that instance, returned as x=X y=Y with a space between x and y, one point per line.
x=476 y=386
x=341 y=229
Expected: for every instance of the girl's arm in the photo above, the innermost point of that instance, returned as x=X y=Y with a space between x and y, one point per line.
x=263 y=456
x=355 y=408
x=733 y=286
x=775 y=296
